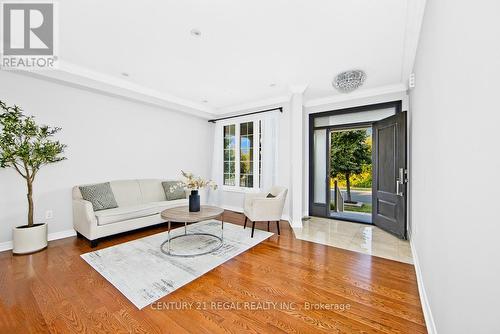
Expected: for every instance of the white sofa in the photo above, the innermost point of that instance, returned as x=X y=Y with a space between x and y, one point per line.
x=140 y=203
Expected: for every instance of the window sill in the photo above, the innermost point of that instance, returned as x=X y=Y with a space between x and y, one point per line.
x=240 y=189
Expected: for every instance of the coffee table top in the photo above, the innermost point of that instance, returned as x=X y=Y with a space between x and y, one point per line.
x=182 y=214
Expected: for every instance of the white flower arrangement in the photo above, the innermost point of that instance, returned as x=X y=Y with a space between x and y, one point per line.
x=193 y=182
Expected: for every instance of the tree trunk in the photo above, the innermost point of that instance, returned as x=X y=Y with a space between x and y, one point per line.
x=30 y=202
x=348 y=186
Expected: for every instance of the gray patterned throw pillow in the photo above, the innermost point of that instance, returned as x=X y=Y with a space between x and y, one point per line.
x=178 y=193
x=100 y=195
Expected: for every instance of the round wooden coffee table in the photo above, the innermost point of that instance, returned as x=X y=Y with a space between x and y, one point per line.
x=181 y=214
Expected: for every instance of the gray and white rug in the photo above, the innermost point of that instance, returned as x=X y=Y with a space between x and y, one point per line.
x=143 y=274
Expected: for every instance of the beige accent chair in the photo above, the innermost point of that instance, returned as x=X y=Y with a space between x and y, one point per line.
x=259 y=207
x=140 y=203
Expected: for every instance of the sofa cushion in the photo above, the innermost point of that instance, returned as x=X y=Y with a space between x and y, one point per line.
x=127 y=192
x=110 y=216
x=171 y=204
x=178 y=193
x=152 y=190
x=100 y=195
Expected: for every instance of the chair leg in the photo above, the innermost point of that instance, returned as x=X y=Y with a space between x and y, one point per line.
x=253 y=228
x=278 y=225
x=268 y=222
x=245 y=226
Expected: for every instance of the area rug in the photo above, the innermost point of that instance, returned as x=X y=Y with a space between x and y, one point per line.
x=143 y=274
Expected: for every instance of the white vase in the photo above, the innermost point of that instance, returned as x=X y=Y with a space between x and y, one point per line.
x=29 y=239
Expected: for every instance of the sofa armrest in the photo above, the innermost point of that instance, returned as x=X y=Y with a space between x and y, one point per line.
x=84 y=219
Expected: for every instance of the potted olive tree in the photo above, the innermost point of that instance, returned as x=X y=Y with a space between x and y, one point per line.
x=26 y=146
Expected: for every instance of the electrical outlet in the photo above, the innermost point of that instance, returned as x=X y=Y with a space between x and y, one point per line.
x=49 y=214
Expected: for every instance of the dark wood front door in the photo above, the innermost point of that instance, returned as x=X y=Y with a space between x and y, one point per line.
x=389 y=174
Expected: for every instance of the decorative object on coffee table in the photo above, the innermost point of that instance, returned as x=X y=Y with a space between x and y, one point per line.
x=193 y=183
x=183 y=215
x=26 y=146
x=194 y=201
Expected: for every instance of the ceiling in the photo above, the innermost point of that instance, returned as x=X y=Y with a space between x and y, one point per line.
x=248 y=51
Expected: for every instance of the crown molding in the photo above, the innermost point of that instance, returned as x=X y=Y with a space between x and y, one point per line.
x=85 y=78
x=326 y=102
x=277 y=101
x=316 y=104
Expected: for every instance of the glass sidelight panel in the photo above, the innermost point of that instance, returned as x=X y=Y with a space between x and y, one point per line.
x=320 y=150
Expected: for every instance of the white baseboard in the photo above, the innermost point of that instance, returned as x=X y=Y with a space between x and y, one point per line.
x=61 y=234
x=424 y=301
x=5 y=246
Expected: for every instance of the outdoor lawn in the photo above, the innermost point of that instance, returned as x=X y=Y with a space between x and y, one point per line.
x=366 y=208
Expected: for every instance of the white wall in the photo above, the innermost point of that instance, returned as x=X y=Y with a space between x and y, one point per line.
x=108 y=138
x=455 y=164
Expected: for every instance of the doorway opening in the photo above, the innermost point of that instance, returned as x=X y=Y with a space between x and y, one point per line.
x=350 y=174
x=357 y=166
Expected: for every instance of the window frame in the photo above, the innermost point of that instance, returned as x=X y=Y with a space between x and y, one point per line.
x=255 y=158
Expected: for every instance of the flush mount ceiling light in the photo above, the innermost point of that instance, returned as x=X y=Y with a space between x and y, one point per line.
x=348 y=81
x=125 y=74
x=204 y=101
x=272 y=85
x=196 y=32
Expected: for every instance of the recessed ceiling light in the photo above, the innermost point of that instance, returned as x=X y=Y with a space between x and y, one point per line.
x=125 y=74
x=196 y=32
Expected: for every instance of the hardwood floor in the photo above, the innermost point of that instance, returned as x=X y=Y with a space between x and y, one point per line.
x=55 y=291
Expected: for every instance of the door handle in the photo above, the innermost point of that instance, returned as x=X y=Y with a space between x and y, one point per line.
x=400 y=182
x=402 y=176
x=399 y=192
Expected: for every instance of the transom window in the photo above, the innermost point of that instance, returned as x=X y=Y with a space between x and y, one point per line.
x=242 y=154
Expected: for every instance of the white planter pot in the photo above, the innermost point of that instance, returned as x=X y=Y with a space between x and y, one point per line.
x=29 y=239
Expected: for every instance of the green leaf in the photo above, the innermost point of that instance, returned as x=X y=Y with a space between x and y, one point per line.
x=25 y=144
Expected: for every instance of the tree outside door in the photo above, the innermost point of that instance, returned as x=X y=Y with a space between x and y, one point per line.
x=349 y=152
